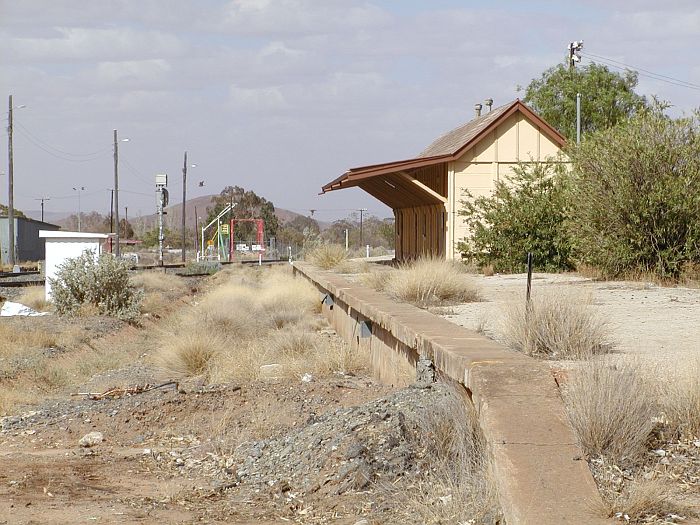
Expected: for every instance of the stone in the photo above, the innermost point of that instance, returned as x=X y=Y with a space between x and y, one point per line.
x=271 y=371
x=91 y=439
x=425 y=372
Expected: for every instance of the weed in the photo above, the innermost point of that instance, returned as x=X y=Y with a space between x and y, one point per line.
x=556 y=326
x=611 y=408
x=327 y=256
x=34 y=297
x=431 y=281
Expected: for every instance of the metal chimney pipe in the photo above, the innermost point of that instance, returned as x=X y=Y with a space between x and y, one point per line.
x=477 y=110
x=489 y=103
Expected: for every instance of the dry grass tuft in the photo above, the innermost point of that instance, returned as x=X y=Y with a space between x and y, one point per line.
x=190 y=353
x=680 y=401
x=646 y=501
x=611 y=408
x=153 y=281
x=327 y=256
x=458 y=487
x=556 y=326
x=430 y=281
x=251 y=319
x=353 y=266
x=34 y=297
x=376 y=279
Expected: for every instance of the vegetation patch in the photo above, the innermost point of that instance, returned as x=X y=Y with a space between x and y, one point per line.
x=556 y=326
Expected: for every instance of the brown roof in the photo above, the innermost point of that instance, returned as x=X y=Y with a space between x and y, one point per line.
x=454 y=140
x=448 y=147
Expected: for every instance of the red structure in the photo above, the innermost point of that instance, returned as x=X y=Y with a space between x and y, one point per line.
x=259 y=236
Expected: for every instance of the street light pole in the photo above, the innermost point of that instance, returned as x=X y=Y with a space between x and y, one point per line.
x=42 y=199
x=10 y=185
x=361 y=210
x=116 y=192
x=78 y=189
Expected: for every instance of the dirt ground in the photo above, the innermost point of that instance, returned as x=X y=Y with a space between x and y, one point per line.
x=651 y=322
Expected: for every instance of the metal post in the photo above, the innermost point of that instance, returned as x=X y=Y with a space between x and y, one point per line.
x=184 y=200
x=361 y=210
x=10 y=183
x=347 y=239
x=160 y=226
x=529 y=279
x=116 y=194
x=578 y=118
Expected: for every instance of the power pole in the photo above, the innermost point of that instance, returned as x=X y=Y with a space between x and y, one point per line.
x=10 y=182
x=196 y=230
x=126 y=219
x=111 y=211
x=42 y=199
x=116 y=192
x=361 y=210
x=574 y=49
x=184 y=200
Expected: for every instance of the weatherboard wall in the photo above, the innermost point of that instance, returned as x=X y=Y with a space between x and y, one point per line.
x=492 y=159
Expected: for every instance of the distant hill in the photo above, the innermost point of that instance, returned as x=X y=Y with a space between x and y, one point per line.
x=173 y=220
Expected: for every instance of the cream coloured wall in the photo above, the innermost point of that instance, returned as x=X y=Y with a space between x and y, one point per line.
x=516 y=140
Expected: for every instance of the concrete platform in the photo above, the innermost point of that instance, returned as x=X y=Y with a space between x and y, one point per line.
x=541 y=473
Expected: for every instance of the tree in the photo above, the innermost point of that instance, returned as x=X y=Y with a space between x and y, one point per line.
x=635 y=196
x=248 y=206
x=298 y=231
x=607 y=98
x=525 y=213
x=4 y=209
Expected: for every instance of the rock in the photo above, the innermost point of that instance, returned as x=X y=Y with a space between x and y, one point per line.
x=91 y=439
x=307 y=378
x=425 y=373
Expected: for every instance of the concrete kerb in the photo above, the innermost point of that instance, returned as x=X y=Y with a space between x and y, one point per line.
x=541 y=473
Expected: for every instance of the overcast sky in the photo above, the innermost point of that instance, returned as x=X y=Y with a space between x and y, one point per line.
x=282 y=96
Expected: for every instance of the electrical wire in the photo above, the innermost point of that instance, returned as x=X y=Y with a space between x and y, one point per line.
x=25 y=131
x=641 y=72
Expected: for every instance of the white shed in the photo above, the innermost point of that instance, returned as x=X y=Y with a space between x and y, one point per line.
x=61 y=246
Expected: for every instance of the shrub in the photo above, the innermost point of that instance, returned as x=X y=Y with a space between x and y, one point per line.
x=154 y=281
x=430 y=281
x=634 y=196
x=102 y=284
x=524 y=214
x=327 y=256
x=558 y=326
x=611 y=408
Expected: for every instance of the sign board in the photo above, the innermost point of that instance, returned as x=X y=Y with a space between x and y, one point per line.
x=224 y=229
x=161 y=179
x=242 y=247
x=257 y=248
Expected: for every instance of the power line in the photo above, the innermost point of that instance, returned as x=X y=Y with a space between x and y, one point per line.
x=642 y=72
x=31 y=135
x=53 y=154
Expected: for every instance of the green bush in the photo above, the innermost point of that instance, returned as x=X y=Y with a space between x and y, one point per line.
x=524 y=214
x=635 y=196
x=102 y=283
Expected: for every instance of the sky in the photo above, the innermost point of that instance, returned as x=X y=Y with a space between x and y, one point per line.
x=282 y=96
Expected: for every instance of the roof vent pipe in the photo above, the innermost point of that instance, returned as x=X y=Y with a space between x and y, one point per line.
x=489 y=103
x=477 y=109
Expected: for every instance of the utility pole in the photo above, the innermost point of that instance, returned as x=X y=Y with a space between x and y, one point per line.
x=361 y=210
x=10 y=184
x=574 y=49
x=79 y=189
x=196 y=231
x=578 y=118
x=42 y=199
x=111 y=211
x=184 y=201
x=126 y=219
x=116 y=192
x=162 y=200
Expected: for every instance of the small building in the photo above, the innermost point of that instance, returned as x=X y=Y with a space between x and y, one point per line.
x=61 y=246
x=425 y=191
x=28 y=245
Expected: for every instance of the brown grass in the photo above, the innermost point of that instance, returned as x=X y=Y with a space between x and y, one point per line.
x=254 y=318
x=458 y=486
x=431 y=281
x=190 y=353
x=611 y=408
x=154 y=281
x=680 y=400
x=556 y=326
x=327 y=256
x=34 y=297
x=646 y=501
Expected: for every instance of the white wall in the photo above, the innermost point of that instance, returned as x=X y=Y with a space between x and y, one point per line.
x=61 y=249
